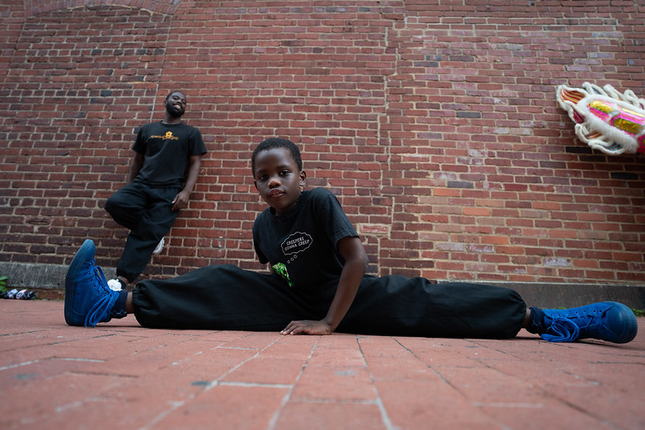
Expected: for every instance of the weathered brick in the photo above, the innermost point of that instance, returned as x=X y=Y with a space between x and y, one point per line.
x=441 y=126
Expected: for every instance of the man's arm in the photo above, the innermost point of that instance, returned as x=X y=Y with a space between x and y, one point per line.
x=135 y=167
x=354 y=269
x=181 y=200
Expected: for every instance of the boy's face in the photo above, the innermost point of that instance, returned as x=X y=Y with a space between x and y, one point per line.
x=277 y=179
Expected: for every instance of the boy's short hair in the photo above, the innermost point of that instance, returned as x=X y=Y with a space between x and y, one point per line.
x=277 y=142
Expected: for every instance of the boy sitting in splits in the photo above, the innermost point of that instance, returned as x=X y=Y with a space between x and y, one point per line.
x=318 y=283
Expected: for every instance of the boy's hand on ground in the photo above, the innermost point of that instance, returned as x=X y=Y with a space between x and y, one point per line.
x=307 y=327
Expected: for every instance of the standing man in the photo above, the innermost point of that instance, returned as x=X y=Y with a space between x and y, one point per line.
x=163 y=173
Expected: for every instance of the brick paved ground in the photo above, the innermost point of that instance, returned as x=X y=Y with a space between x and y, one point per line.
x=120 y=375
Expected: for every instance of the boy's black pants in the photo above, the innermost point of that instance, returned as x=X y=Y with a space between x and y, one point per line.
x=229 y=298
x=146 y=212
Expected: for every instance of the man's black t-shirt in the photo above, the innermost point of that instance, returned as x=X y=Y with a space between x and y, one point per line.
x=301 y=245
x=167 y=149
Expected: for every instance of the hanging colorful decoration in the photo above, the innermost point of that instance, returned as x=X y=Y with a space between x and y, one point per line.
x=606 y=119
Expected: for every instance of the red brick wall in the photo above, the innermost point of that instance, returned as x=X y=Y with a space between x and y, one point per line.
x=435 y=123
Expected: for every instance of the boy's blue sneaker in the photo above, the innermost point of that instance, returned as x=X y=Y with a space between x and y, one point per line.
x=610 y=321
x=88 y=299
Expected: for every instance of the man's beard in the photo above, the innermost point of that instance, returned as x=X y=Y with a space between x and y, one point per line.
x=174 y=112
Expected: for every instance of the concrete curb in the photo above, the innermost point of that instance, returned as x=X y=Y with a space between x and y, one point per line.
x=49 y=281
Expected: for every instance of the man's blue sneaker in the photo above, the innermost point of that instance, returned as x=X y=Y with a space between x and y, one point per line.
x=88 y=299
x=610 y=321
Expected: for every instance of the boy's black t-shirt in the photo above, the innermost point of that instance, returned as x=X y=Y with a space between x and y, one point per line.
x=301 y=245
x=167 y=149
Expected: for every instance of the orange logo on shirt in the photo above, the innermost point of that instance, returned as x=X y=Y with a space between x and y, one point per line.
x=167 y=136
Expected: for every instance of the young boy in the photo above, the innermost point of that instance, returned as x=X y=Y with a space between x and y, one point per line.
x=318 y=284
